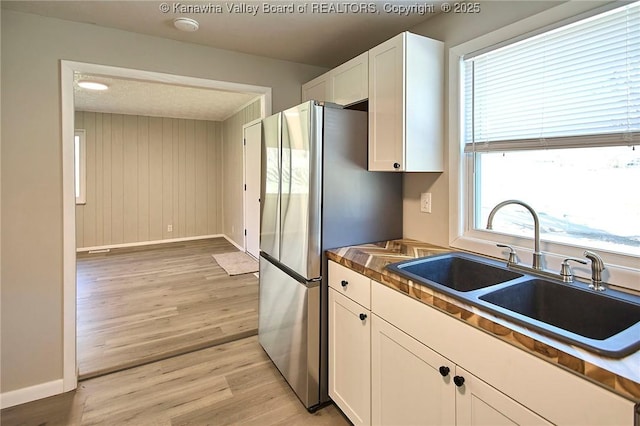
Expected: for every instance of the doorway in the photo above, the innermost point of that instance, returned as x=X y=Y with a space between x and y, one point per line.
x=68 y=70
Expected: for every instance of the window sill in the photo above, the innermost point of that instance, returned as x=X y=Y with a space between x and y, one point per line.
x=621 y=271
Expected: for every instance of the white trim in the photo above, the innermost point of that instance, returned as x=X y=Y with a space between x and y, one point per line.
x=251 y=123
x=237 y=110
x=244 y=176
x=31 y=393
x=82 y=134
x=67 y=69
x=179 y=80
x=621 y=270
x=148 y=243
x=69 y=363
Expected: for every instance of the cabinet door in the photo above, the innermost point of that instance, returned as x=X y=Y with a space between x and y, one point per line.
x=477 y=403
x=407 y=387
x=350 y=357
x=386 y=105
x=350 y=81
x=318 y=89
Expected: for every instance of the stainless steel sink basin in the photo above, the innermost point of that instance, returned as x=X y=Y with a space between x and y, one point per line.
x=607 y=323
x=596 y=321
x=456 y=271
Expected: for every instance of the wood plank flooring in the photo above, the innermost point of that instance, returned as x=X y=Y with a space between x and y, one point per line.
x=143 y=304
x=233 y=383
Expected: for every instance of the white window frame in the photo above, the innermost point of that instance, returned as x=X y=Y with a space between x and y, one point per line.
x=82 y=197
x=621 y=270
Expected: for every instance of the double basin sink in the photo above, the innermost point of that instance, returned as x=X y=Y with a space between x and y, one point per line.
x=607 y=323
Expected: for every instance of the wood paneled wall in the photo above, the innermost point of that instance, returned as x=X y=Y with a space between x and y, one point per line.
x=233 y=171
x=145 y=173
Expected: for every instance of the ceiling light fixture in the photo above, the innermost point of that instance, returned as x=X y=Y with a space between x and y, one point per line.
x=186 y=24
x=92 y=85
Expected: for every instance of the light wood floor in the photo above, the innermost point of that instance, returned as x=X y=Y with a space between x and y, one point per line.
x=233 y=383
x=139 y=305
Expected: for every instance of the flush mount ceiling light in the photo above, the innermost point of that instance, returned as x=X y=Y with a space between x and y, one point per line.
x=92 y=85
x=186 y=24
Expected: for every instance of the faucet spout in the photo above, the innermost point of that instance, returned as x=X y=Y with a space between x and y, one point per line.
x=537 y=256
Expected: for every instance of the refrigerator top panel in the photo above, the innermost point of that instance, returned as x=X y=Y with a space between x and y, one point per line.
x=270 y=186
x=300 y=186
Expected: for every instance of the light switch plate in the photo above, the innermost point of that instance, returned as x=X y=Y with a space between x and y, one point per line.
x=425 y=202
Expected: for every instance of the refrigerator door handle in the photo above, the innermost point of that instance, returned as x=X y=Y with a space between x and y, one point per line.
x=300 y=239
x=270 y=226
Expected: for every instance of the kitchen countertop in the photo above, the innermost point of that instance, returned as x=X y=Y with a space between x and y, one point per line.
x=618 y=375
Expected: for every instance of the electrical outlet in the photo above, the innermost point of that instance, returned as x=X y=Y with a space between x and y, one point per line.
x=425 y=202
x=169 y=228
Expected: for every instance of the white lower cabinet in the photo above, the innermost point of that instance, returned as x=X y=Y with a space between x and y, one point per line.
x=350 y=357
x=477 y=403
x=406 y=385
x=401 y=362
x=414 y=385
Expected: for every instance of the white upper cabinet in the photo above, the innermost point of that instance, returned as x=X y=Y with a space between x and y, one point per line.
x=403 y=80
x=345 y=85
x=406 y=105
x=350 y=81
x=317 y=89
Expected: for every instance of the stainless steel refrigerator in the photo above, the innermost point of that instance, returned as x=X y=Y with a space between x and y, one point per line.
x=316 y=194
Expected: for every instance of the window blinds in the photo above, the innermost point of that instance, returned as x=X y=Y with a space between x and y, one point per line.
x=577 y=85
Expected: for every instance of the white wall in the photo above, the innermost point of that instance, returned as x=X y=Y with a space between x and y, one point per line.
x=31 y=271
x=453 y=29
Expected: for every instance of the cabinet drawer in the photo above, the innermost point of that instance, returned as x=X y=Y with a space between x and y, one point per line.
x=355 y=286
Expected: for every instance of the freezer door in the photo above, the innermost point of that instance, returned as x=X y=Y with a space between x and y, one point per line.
x=270 y=186
x=289 y=327
x=301 y=189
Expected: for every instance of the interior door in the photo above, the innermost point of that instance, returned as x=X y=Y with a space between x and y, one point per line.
x=252 y=147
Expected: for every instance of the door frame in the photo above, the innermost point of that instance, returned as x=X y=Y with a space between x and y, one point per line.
x=244 y=177
x=67 y=70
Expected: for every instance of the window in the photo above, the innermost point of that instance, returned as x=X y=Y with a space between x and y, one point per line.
x=552 y=119
x=80 y=159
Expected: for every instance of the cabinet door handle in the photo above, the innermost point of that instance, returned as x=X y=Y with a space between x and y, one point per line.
x=344 y=283
x=363 y=317
x=458 y=380
x=396 y=165
x=444 y=371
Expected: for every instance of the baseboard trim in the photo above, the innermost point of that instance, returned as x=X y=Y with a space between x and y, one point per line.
x=31 y=393
x=238 y=246
x=148 y=243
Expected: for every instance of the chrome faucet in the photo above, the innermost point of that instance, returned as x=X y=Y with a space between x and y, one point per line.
x=597 y=266
x=537 y=256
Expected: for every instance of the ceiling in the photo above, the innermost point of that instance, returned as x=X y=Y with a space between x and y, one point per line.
x=324 y=37
x=158 y=100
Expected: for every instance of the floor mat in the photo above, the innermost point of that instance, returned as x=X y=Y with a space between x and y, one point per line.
x=236 y=263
